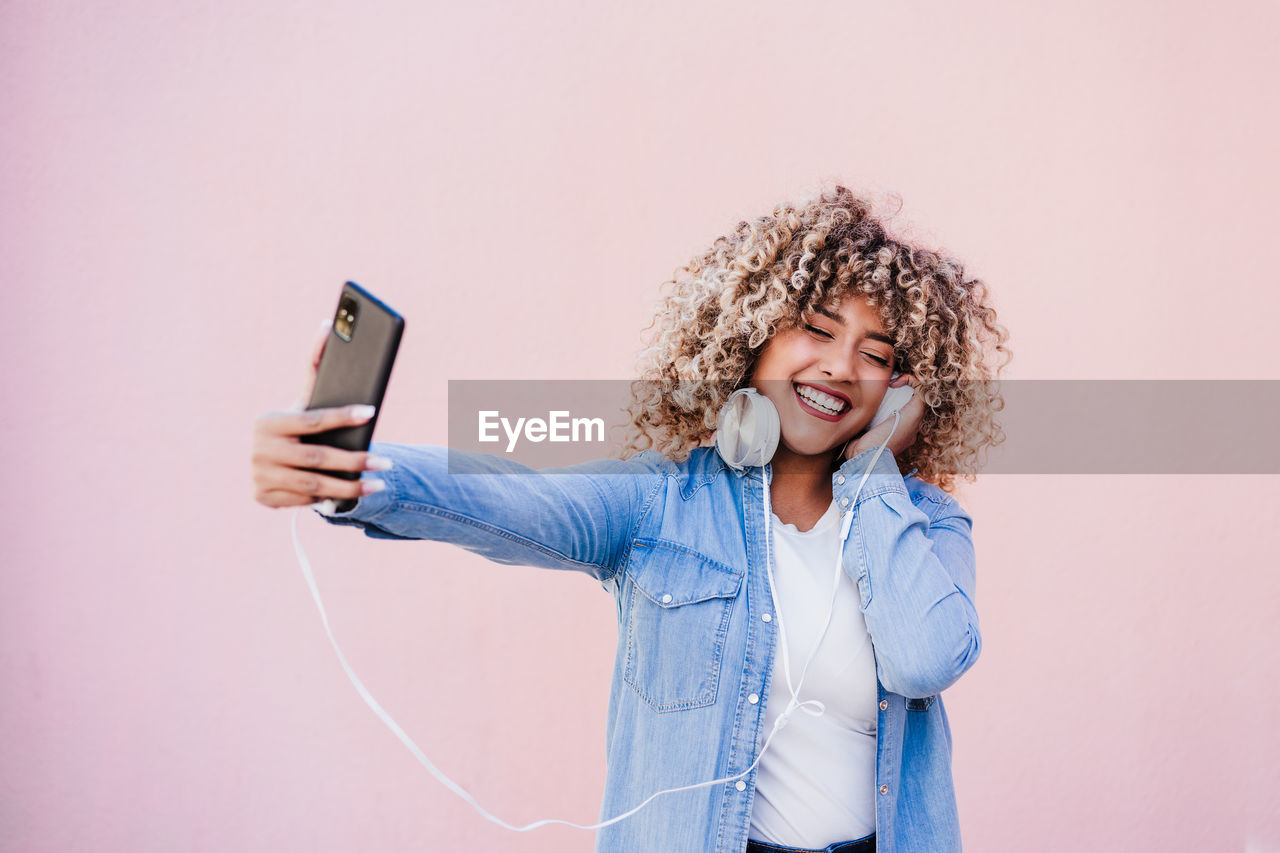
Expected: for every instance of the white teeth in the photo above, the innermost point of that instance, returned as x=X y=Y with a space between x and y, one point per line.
x=821 y=401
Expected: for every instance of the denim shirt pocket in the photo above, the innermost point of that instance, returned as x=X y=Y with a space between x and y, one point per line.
x=677 y=618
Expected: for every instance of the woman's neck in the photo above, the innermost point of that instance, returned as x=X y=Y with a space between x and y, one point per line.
x=800 y=487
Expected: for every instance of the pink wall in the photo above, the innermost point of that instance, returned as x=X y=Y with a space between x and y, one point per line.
x=183 y=190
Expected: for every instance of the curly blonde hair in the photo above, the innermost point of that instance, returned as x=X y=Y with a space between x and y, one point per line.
x=726 y=302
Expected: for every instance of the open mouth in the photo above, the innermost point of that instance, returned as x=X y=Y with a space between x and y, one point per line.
x=820 y=403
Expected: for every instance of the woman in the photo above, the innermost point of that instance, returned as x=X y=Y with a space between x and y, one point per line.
x=733 y=637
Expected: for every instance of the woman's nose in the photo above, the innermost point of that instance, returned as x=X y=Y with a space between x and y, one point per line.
x=842 y=369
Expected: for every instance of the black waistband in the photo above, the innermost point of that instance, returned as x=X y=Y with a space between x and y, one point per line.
x=862 y=845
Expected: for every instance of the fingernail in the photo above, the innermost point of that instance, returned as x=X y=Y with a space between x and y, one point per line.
x=362 y=413
x=377 y=463
x=369 y=486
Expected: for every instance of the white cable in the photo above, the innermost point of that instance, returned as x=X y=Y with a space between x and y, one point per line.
x=792 y=706
x=421 y=756
x=794 y=703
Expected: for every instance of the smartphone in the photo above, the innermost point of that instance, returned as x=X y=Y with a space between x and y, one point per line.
x=355 y=368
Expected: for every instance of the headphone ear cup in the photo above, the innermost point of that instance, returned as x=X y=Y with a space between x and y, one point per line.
x=748 y=429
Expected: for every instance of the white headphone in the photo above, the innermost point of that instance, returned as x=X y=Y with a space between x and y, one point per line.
x=748 y=429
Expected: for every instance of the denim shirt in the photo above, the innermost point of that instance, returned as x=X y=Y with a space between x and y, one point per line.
x=680 y=547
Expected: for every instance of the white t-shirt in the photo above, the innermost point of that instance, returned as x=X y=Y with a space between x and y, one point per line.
x=815 y=785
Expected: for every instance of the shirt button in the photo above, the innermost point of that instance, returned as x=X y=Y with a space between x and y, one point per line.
x=840 y=480
x=767 y=618
x=884 y=704
x=884 y=789
x=844 y=502
x=741 y=786
x=753 y=698
x=666 y=599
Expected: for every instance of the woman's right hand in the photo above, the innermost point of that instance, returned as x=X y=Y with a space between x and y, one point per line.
x=278 y=456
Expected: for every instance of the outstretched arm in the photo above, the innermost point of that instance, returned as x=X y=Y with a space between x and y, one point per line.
x=576 y=517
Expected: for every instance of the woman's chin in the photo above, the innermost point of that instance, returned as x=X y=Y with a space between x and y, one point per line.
x=811 y=448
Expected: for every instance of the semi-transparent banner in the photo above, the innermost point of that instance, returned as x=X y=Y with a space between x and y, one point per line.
x=1053 y=426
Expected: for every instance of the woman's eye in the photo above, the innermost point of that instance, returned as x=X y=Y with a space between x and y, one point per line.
x=877 y=359
x=820 y=331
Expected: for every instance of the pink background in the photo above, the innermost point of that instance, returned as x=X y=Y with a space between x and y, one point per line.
x=184 y=187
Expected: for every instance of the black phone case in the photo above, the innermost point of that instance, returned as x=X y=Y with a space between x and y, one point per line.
x=356 y=371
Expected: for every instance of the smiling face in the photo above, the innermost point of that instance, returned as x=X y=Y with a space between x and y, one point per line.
x=826 y=376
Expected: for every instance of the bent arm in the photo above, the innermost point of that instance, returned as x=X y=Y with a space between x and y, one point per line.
x=577 y=517
x=916 y=578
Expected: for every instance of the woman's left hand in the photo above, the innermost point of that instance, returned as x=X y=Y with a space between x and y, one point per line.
x=909 y=419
